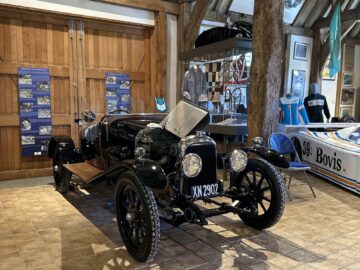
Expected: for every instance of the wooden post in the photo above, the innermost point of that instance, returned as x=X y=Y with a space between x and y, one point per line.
x=183 y=21
x=315 y=58
x=162 y=52
x=266 y=67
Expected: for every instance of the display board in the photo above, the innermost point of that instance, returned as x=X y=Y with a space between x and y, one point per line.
x=34 y=110
x=117 y=92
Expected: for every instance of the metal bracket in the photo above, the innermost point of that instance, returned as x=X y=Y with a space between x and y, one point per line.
x=72 y=28
x=81 y=30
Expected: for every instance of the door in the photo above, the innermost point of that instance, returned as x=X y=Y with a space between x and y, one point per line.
x=78 y=53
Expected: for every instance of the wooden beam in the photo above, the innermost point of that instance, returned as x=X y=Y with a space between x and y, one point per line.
x=197 y=15
x=300 y=31
x=153 y=5
x=346 y=16
x=234 y=17
x=55 y=71
x=161 y=28
x=352 y=41
x=12 y=120
x=99 y=73
x=315 y=56
x=318 y=12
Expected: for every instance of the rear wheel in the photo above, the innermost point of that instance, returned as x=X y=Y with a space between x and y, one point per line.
x=62 y=176
x=137 y=217
x=265 y=189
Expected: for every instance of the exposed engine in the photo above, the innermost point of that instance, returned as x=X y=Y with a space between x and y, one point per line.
x=160 y=145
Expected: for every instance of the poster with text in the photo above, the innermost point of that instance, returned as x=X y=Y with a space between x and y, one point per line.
x=34 y=110
x=117 y=92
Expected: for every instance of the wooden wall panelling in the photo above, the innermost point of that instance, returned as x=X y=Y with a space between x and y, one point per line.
x=30 y=41
x=119 y=50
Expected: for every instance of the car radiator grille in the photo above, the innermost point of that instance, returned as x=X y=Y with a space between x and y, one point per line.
x=207 y=153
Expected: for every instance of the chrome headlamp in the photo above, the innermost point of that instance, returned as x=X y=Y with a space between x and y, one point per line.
x=238 y=160
x=191 y=165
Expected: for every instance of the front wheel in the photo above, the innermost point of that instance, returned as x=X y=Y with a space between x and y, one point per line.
x=137 y=217
x=265 y=189
x=62 y=176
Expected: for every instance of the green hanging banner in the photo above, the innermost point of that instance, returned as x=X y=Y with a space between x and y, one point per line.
x=335 y=42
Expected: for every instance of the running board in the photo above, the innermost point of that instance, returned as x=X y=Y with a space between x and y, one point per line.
x=84 y=171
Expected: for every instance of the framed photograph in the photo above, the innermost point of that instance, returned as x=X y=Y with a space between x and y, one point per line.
x=348 y=79
x=298 y=83
x=347 y=96
x=345 y=111
x=25 y=93
x=301 y=51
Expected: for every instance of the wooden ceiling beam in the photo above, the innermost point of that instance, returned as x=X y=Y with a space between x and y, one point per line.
x=225 y=6
x=198 y=13
x=304 y=13
x=352 y=41
x=300 y=31
x=153 y=5
x=346 y=16
x=317 y=13
x=355 y=31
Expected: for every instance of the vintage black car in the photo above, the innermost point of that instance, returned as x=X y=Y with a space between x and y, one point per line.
x=164 y=165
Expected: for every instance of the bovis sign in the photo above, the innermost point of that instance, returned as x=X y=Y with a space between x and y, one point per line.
x=333 y=163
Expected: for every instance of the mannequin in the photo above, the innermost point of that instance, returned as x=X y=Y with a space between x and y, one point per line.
x=292 y=108
x=315 y=103
x=194 y=85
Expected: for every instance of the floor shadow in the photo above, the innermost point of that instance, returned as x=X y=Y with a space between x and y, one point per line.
x=226 y=242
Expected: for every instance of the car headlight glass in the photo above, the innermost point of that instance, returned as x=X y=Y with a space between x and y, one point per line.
x=238 y=160
x=191 y=165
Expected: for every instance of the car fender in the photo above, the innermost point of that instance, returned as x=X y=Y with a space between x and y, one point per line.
x=269 y=155
x=64 y=143
x=149 y=171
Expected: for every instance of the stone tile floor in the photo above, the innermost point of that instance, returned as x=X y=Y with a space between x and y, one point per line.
x=41 y=229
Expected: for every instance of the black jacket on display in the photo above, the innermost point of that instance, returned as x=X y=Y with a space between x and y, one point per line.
x=314 y=105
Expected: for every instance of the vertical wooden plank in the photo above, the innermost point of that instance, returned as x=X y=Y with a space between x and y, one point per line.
x=50 y=44
x=19 y=41
x=2 y=40
x=26 y=43
x=7 y=40
x=119 y=45
x=13 y=57
x=90 y=48
x=32 y=56
x=65 y=34
x=44 y=47
x=38 y=43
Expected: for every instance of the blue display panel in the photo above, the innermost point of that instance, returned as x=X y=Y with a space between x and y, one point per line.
x=117 y=92
x=34 y=110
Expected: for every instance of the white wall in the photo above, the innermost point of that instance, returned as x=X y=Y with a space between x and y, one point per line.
x=298 y=64
x=171 y=61
x=88 y=8
x=329 y=89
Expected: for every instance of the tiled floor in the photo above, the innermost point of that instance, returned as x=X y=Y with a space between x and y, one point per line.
x=41 y=229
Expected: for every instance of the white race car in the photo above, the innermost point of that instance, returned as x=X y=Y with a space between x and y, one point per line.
x=332 y=154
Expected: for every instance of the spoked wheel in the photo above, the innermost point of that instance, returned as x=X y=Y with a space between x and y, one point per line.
x=265 y=189
x=62 y=176
x=137 y=217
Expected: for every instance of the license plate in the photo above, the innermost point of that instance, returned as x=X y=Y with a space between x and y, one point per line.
x=204 y=190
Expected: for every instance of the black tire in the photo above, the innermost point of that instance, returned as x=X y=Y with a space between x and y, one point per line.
x=268 y=181
x=137 y=217
x=62 y=177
